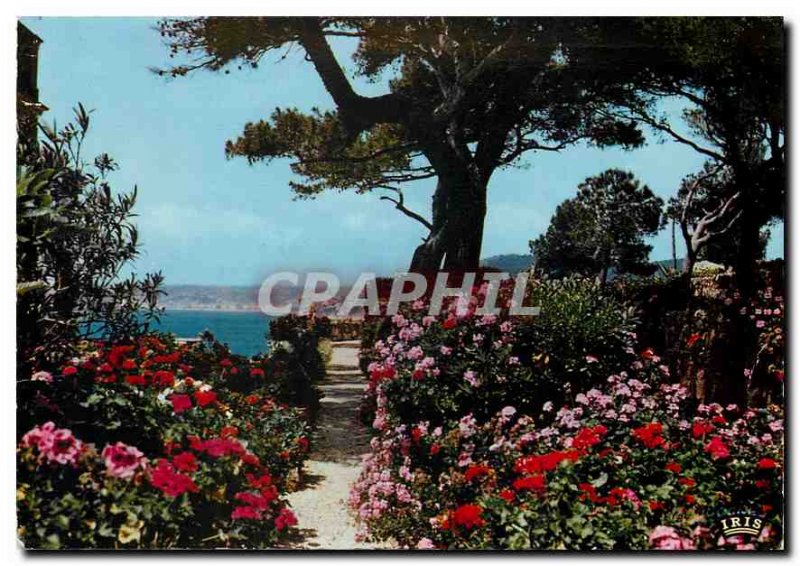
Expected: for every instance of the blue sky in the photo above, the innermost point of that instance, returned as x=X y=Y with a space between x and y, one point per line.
x=207 y=220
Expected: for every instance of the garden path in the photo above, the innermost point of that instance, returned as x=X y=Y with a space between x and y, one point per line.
x=324 y=522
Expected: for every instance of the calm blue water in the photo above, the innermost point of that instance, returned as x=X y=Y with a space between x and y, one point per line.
x=243 y=332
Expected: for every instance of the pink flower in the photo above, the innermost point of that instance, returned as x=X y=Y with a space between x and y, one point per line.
x=471 y=378
x=122 y=460
x=425 y=544
x=57 y=446
x=45 y=376
x=667 y=538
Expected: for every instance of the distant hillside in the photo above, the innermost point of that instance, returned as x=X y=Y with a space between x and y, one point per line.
x=509 y=263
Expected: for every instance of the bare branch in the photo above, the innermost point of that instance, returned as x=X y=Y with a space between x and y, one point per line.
x=399 y=205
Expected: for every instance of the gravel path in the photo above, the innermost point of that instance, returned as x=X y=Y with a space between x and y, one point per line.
x=324 y=522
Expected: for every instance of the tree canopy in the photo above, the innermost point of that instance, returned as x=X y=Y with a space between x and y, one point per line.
x=465 y=97
x=602 y=228
x=731 y=74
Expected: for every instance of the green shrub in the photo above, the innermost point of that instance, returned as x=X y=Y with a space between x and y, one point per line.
x=74 y=236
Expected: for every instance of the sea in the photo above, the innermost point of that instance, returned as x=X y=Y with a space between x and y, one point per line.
x=245 y=332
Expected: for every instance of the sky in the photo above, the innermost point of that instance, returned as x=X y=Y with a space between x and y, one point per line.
x=204 y=219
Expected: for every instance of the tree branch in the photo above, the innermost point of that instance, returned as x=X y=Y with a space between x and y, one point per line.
x=399 y=205
x=358 y=112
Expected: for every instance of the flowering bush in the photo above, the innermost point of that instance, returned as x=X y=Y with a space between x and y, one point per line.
x=469 y=454
x=466 y=362
x=157 y=446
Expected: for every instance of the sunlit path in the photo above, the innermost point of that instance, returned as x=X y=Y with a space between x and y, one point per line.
x=321 y=502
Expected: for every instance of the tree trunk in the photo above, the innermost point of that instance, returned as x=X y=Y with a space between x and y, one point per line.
x=746 y=267
x=458 y=214
x=466 y=213
x=429 y=254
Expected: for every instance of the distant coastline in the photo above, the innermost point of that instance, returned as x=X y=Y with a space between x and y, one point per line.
x=203 y=308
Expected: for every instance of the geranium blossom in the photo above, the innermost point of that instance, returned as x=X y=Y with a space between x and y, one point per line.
x=667 y=538
x=165 y=478
x=285 y=519
x=122 y=460
x=55 y=445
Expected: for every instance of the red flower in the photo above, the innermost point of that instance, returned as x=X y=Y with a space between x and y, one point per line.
x=259 y=482
x=450 y=323
x=129 y=365
x=252 y=399
x=226 y=363
x=285 y=519
x=217 y=447
x=378 y=374
x=717 y=448
x=180 y=402
x=195 y=443
x=228 y=431
x=767 y=464
x=588 y=437
x=530 y=483
x=244 y=512
x=416 y=434
x=693 y=339
x=205 y=398
x=164 y=378
x=468 y=516
x=303 y=443
x=673 y=466
x=165 y=478
x=778 y=375
x=688 y=482
x=590 y=493
x=689 y=498
x=69 y=370
x=544 y=462
x=117 y=354
x=718 y=419
x=254 y=500
x=418 y=374
x=508 y=495
x=649 y=435
x=648 y=354
x=234 y=371
x=701 y=428
x=655 y=505
x=256 y=372
x=762 y=484
x=435 y=448
x=135 y=380
x=185 y=462
x=476 y=471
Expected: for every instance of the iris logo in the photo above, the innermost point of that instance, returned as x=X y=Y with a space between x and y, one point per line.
x=741 y=525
